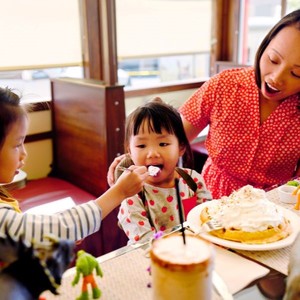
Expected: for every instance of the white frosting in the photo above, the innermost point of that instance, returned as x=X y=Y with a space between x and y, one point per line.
x=247 y=209
x=172 y=249
x=153 y=171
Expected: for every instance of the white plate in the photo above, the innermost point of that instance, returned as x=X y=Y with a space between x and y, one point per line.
x=193 y=218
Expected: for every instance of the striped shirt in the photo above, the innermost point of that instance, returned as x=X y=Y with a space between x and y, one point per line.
x=73 y=224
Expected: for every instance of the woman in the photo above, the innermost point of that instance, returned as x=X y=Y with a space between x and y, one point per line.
x=253 y=116
x=154 y=136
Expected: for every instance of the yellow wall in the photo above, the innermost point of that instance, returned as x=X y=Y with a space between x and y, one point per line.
x=39 y=156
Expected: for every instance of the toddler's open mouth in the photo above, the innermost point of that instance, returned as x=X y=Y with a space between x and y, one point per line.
x=154 y=170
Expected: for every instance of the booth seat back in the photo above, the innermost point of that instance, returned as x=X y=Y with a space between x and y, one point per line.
x=45 y=190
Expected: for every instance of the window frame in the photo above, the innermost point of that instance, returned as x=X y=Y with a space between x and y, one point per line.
x=99 y=39
x=98 y=19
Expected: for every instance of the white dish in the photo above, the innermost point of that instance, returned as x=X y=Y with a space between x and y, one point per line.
x=285 y=193
x=193 y=218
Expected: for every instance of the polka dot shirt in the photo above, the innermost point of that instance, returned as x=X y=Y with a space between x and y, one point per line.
x=160 y=211
x=241 y=149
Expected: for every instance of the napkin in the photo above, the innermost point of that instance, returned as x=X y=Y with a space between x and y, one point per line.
x=237 y=271
x=52 y=207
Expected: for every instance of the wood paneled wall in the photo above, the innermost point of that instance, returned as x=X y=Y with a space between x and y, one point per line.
x=88 y=131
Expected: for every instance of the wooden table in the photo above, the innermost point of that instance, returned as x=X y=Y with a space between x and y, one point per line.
x=126 y=276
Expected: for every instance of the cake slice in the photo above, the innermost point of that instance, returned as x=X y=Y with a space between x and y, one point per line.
x=247 y=217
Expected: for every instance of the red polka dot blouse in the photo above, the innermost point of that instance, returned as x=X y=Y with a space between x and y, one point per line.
x=241 y=149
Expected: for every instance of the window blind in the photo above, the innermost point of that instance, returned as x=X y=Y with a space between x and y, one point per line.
x=162 y=27
x=39 y=33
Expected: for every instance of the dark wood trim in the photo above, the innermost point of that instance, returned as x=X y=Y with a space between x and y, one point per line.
x=98 y=25
x=129 y=93
x=109 y=41
x=38 y=137
x=283 y=8
x=91 y=47
x=162 y=89
x=225 y=29
x=88 y=131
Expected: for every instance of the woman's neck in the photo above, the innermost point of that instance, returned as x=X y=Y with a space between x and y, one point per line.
x=266 y=107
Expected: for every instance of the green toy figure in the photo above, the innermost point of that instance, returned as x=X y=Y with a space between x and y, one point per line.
x=85 y=265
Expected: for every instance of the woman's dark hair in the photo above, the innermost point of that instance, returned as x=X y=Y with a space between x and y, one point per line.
x=291 y=19
x=159 y=115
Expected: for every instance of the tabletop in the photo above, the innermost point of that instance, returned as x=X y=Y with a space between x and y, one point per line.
x=126 y=273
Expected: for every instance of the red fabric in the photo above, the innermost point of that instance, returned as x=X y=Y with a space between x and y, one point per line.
x=189 y=204
x=45 y=190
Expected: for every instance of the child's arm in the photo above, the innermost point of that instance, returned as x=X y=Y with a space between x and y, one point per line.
x=77 y=222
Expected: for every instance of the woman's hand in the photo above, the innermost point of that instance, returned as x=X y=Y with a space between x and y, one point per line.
x=112 y=168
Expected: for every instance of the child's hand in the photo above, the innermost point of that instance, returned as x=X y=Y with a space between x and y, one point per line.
x=132 y=180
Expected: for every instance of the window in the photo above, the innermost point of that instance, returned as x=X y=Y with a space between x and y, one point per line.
x=158 y=41
x=257 y=18
x=162 y=40
x=40 y=40
x=292 y=5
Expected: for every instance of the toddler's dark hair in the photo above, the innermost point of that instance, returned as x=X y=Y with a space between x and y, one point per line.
x=159 y=115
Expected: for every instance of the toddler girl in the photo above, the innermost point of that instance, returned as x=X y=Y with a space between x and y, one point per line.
x=154 y=136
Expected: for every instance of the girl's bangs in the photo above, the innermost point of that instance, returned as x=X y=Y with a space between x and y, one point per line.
x=151 y=123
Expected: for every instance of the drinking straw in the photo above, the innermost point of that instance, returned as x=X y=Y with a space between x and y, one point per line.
x=180 y=210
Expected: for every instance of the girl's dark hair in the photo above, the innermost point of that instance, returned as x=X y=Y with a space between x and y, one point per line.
x=159 y=115
x=10 y=111
x=292 y=19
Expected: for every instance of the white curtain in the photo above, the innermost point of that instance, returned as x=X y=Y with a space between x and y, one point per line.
x=39 y=33
x=162 y=27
